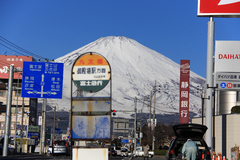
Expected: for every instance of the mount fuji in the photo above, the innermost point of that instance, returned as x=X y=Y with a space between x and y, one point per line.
x=134 y=70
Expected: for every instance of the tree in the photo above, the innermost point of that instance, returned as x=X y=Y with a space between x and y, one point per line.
x=163 y=135
x=235 y=109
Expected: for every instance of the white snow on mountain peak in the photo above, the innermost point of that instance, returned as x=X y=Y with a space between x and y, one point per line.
x=134 y=69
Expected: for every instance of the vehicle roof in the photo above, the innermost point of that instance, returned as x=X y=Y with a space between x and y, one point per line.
x=192 y=131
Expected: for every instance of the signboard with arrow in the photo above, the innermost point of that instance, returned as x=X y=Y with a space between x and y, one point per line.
x=42 y=80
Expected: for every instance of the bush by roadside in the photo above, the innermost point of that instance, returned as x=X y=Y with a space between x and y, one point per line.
x=162 y=152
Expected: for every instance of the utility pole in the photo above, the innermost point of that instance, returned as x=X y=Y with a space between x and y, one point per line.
x=150 y=116
x=21 y=135
x=135 y=124
x=8 y=112
x=140 y=134
x=43 y=126
x=155 y=89
x=15 y=142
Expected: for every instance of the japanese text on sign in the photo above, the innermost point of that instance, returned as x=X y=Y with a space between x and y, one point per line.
x=184 y=91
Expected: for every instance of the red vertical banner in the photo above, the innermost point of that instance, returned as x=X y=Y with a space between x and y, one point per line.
x=184 y=91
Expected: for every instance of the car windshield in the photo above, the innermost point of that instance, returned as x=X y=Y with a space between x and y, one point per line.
x=124 y=150
x=60 y=143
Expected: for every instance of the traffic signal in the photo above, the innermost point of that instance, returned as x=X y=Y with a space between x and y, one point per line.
x=114 y=112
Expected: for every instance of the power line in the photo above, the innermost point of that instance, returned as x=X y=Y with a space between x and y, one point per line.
x=18 y=48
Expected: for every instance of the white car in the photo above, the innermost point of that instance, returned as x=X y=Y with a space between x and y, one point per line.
x=139 y=152
x=124 y=152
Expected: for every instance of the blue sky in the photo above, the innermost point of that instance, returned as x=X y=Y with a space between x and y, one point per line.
x=54 y=28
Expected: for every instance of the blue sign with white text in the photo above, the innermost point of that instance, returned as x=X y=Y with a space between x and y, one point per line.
x=33 y=135
x=42 y=80
x=58 y=131
x=124 y=141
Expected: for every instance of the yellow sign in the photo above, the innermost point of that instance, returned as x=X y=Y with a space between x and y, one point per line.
x=24 y=141
x=91 y=72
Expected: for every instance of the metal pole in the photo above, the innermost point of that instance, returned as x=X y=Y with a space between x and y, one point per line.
x=8 y=112
x=53 y=137
x=40 y=151
x=202 y=96
x=209 y=80
x=44 y=122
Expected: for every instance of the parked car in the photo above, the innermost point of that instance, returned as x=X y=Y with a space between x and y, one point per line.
x=124 y=152
x=118 y=149
x=10 y=150
x=140 y=153
x=184 y=132
x=61 y=147
x=113 y=152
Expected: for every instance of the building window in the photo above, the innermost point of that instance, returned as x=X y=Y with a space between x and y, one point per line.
x=2 y=126
x=2 y=93
x=18 y=94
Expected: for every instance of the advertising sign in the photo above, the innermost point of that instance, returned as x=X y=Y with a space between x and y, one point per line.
x=33 y=135
x=124 y=141
x=24 y=127
x=91 y=72
x=227 y=56
x=227 y=64
x=42 y=80
x=58 y=131
x=219 y=8
x=17 y=61
x=228 y=80
x=91 y=127
x=33 y=128
x=91 y=118
x=184 y=91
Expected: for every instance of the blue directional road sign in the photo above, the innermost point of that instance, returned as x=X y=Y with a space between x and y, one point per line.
x=42 y=80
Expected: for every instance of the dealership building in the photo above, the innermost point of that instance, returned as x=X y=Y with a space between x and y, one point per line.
x=225 y=126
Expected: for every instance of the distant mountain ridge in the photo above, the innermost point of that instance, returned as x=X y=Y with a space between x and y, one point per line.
x=134 y=71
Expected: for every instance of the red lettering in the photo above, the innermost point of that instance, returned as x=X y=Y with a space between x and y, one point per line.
x=90 y=61
x=100 y=61
x=231 y=56
x=220 y=56
x=236 y=56
x=81 y=61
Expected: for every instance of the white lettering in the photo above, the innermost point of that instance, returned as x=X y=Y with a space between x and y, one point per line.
x=184 y=94
x=4 y=70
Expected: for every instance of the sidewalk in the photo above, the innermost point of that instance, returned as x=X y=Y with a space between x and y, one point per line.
x=31 y=156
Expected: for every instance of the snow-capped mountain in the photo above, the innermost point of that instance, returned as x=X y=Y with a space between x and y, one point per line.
x=134 y=69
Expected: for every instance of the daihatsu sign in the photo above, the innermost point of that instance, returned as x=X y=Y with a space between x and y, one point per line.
x=227 y=64
x=219 y=8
